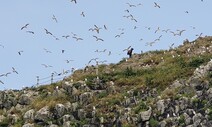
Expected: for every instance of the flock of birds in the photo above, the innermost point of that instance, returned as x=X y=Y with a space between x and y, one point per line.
x=96 y=30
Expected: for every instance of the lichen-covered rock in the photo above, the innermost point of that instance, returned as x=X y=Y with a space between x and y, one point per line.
x=29 y=115
x=145 y=115
x=60 y=110
x=43 y=115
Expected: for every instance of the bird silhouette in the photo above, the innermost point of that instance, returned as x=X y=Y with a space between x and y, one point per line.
x=1 y=82
x=83 y=14
x=6 y=74
x=131 y=5
x=54 y=18
x=77 y=38
x=75 y=1
x=19 y=52
x=156 y=5
x=62 y=50
x=14 y=70
x=93 y=59
x=126 y=49
x=47 y=51
x=47 y=32
x=68 y=61
x=105 y=27
x=97 y=38
x=46 y=66
x=31 y=32
x=66 y=36
x=25 y=26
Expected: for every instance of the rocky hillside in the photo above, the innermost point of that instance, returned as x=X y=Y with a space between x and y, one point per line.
x=154 y=89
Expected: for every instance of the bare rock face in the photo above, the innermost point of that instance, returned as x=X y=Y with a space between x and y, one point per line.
x=24 y=99
x=43 y=115
x=29 y=115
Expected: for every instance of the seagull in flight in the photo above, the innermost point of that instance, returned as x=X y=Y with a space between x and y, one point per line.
x=131 y=5
x=75 y=1
x=46 y=65
x=47 y=32
x=19 y=52
x=54 y=18
x=156 y=5
x=66 y=36
x=127 y=49
x=1 y=82
x=83 y=14
x=77 y=38
x=68 y=61
x=25 y=26
x=94 y=59
x=14 y=70
x=97 y=38
x=31 y=32
x=47 y=51
x=5 y=74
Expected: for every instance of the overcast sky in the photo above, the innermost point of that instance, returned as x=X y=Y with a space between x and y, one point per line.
x=132 y=23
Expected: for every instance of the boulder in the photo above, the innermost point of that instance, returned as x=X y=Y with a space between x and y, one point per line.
x=29 y=115
x=43 y=115
x=145 y=115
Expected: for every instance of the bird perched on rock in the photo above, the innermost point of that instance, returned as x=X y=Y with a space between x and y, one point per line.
x=129 y=52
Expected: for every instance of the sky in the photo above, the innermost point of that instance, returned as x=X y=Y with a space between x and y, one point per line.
x=145 y=25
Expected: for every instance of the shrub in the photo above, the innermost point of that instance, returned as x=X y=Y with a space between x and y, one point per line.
x=153 y=122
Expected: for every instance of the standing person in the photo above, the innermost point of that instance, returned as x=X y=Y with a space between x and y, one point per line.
x=129 y=52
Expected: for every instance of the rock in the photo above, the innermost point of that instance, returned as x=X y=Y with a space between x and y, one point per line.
x=145 y=115
x=81 y=114
x=67 y=118
x=53 y=125
x=162 y=123
x=28 y=125
x=43 y=115
x=197 y=119
x=160 y=106
x=24 y=99
x=60 y=110
x=13 y=118
x=29 y=115
x=2 y=118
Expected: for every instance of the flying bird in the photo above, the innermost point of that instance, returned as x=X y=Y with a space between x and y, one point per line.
x=6 y=74
x=47 y=51
x=105 y=27
x=14 y=70
x=156 y=5
x=66 y=36
x=75 y=1
x=83 y=14
x=131 y=5
x=31 y=32
x=1 y=82
x=25 y=26
x=77 y=38
x=47 y=32
x=97 y=38
x=94 y=59
x=68 y=61
x=54 y=18
x=63 y=50
x=46 y=65
x=19 y=52
x=127 y=49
